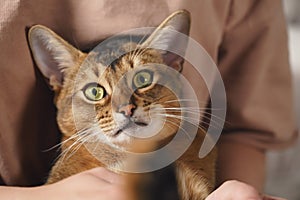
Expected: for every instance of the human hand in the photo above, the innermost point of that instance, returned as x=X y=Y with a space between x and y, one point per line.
x=95 y=184
x=235 y=190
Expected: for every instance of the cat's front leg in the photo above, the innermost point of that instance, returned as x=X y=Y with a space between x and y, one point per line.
x=195 y=176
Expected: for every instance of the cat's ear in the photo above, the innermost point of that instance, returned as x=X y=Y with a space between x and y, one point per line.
x=51 y=53
x=167 y=36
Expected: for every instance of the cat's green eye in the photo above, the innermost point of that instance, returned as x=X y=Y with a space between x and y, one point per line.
x=94 y=92
x=142 y=79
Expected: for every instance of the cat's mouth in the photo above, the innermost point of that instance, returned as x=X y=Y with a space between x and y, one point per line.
x=130 y=124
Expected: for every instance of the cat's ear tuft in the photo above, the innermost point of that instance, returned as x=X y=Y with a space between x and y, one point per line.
x=51 y=53
x=171 y=35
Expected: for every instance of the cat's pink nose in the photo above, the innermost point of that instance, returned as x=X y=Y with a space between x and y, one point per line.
x=127 y=110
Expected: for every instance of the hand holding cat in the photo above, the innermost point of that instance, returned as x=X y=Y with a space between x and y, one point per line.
x=95 y=184
x=98 y=183
x=235 y=190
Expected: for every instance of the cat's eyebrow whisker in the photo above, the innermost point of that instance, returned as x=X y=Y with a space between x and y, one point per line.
x=143 y=50
x=139 y=43
x=136 y=53
x=137 y=47
x=130 y=50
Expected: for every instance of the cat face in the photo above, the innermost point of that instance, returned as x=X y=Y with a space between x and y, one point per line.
x=128 y=101
x=120 y=93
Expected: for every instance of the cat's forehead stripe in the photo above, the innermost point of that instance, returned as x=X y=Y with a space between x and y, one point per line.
x=96 y=71
x=110 y=51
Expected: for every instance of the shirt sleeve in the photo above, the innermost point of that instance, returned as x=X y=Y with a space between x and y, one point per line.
x=254 y=63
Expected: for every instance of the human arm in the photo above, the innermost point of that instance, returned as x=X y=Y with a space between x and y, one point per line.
x=97 y=183
x=254 y=65
x=241 y=162
x=236 y=190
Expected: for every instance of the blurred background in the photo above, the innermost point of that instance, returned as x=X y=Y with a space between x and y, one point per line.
x=283 y=178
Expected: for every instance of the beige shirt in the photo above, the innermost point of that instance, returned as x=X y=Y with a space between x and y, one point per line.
x=247 y=39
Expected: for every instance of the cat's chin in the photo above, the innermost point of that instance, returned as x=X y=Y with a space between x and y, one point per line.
x=129 y=143
x=131 y=127
x=143 y=130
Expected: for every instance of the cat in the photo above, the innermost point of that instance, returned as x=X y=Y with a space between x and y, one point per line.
x=91 y=80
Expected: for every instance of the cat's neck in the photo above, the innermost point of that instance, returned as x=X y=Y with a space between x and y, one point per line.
x=103 y=155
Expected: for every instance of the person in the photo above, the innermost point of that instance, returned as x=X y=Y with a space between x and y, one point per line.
x=247 y=39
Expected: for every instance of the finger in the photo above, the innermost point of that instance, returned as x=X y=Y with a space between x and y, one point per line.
x=266 y=197
x=107 y=175
x=234 y=190
x=219 y=193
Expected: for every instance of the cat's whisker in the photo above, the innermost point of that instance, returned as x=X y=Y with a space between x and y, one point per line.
x=193 y=110
x=65 y=141
x=161 y=98
x=94 y=151
x=67 y=150
x=73 y=150
x=79 y=144
x=191 y=100
x=173 y=129
x=210 y=117
x=189 y=120
x=198 y=108
x=187 y=110
x=187 y=100
x=79 y=136
x=178 y=126
x=82 y=140
x=176 y=100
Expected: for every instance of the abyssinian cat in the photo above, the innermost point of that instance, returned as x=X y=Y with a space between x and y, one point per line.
x=87 y=81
